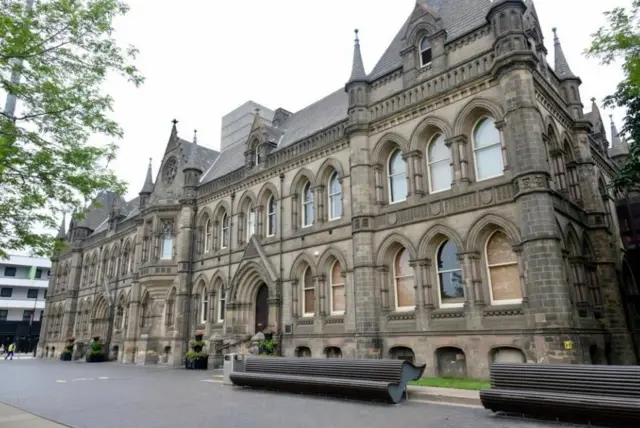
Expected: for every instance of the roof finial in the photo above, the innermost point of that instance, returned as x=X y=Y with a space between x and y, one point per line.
x=63 y=227
x=357 y=69
x=195 y=136
x=562 y=66
x=148 y=182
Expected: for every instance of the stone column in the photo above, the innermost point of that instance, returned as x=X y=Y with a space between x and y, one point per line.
x=549 y=295
x=320 y=205
x=407 y=158
x=379 y=191
x=419 y=290
x=416 y=160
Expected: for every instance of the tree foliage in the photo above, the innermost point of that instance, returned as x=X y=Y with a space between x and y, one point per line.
x=619 y=41
x=63 y=50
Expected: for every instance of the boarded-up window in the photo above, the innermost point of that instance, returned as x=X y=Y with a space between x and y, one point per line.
x=504 y=275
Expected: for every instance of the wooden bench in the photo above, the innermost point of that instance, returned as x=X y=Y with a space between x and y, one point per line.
x=576 y=393
x=378 y=380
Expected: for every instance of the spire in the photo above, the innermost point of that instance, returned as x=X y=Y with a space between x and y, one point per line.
x=195 y=136
x=192 y=159
x=357 y=70
x=174 y=129
x=562 y=66
x=618 y=145
x=63 y=225
x=148 y=182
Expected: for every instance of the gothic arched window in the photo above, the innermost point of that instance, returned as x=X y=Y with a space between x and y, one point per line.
x=337 y=289
x=397 y=176
x=502 y=266
x=307 y=205
x=309 y=294
x=449 y=271
x=439 y=159
x=335 y=197
x=167 y=239
x=487 y=149
x=425 y=52
x=403 y=282
x=271 y=216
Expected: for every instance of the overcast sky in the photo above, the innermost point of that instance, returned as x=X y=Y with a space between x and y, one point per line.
x=202 y=59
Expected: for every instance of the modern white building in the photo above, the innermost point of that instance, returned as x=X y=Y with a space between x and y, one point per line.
x=23 y=289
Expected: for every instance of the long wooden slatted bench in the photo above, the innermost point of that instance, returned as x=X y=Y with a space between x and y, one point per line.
x=378 y=380
x=598 y=394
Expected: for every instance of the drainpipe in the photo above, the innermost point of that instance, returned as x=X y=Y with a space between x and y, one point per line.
x=281 y=292
x=229 y=297
x=187 y=324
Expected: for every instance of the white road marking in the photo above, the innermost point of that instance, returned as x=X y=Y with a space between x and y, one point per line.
x=61 y=381
x=103 y=377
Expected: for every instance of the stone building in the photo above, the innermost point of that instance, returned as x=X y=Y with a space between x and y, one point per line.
x=448 y=207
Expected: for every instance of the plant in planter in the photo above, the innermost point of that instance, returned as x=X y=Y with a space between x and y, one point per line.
x=268 y=333
x=197 y=359
x=68 y=350
x=95 y=353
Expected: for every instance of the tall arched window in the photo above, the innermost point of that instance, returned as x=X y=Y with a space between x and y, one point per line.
x=271 y=216
x=167 y=239
x=450 y=276
x=503 y=272
x=337 y=290
x=309 y=294
x=251 y=222
x=335 y=197
x=222 y=301
x=425 y=52
x=170 y=308
x=439 y=159
x=307 y=205
x=397 y=177
x=126 y=254
x=204 y=306
x=487 y=148
x=403 y=281
x=208 y=233
x=572 y=169
x=604 y=194
x=224 y=231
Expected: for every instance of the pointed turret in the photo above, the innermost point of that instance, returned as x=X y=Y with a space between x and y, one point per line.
x=192 y=163
x=147 y=188
x=619 y=148
x=562 y=69
x=148 y=182
x=357 y=69
x=62 y=233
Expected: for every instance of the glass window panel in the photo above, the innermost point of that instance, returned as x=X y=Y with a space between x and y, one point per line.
x=396 y=164
x=441 y=175
x=338 y=299
x=489 y=162
x=336 y=206
x=505 y=282
x=336 y=274
x=398 y=185
x=451 y=287
x=448 y=257
x=438 y=150
x=499 y=250
x=405 y=292
x=486 y=134
x=402 y=264
x=309 y=301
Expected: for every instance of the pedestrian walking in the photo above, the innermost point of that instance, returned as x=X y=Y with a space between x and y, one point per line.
x=11 y=350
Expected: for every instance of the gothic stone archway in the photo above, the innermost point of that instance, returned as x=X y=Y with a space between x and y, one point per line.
x=252 y=309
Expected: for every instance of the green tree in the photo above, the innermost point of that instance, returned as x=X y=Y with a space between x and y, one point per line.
x=619 y=41
x=62 y=51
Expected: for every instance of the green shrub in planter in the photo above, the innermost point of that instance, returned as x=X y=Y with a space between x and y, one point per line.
x=67 y=354
x=196 y=359
x=95 y=353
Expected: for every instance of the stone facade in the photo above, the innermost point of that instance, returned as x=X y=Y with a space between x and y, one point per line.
x=446 y=207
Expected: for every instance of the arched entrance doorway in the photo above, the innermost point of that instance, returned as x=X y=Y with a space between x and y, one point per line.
x=262 y=308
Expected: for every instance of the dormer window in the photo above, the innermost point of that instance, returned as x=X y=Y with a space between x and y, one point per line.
x=425 y=52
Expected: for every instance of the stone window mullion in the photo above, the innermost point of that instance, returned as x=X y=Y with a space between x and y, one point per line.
x=427 y=283
x=259 y=216
x=383 y=273
x=503 y=145
x=416 y=160
x=321 y=212
x=294 y=298
x=295 y=210
x=410 y=174
x=241 y=227
x=378 y=170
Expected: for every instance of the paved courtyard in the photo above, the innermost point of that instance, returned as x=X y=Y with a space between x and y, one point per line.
x=112 y=395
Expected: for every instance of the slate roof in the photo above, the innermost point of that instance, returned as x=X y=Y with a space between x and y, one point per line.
x=306 y=122
x=458 y=18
